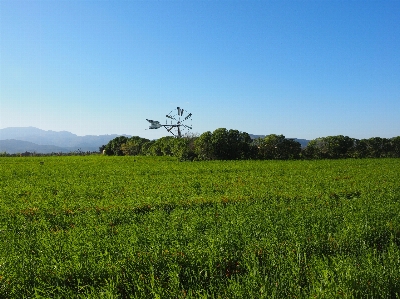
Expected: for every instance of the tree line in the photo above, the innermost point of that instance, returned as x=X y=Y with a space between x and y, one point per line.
x=223 y=144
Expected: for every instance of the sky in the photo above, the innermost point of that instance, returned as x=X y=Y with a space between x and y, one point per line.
x=304 y=69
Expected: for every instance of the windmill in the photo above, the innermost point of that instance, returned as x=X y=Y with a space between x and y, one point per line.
x=176 y=126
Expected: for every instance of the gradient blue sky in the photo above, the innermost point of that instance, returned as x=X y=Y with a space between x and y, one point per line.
x=304 y=69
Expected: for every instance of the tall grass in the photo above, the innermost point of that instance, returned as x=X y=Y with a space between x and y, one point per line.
x=125 y=227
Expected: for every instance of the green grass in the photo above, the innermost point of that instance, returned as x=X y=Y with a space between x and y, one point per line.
x=148 y=227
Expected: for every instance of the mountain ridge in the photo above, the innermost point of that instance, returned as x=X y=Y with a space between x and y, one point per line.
x=13 y=146
x=303 y=142
x=42 y=141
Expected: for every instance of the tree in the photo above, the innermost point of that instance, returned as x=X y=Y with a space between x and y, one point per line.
x=339 y=146
x=289 y=149
x=360 y=148
x=277 y=147
x=395 y=147
x=230 y=144
x=133 y=146
x=378 y=147
x=268 y=146
x=113 y=147
x=183 y=148
x=223 y=144
x=330 y=147
x=166 y=145
x=146 y=148
x=154 y=149
x=203 y=147
x=222 y=150
x=240 y=143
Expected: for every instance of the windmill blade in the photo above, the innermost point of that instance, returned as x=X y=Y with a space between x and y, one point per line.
x=171 y=117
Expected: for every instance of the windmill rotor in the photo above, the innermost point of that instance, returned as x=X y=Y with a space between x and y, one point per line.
x=176 y=121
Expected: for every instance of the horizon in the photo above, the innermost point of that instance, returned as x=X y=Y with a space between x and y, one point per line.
x=298 y=138
x=299 y=68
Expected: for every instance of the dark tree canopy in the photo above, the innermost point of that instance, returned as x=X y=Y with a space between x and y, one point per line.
x=223 y=144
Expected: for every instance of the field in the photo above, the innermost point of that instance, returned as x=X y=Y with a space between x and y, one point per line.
x=149 y=227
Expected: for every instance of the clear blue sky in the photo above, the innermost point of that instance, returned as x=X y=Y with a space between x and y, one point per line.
x=303 y=69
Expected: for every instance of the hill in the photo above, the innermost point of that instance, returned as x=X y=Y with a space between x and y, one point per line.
x=13 y=146
x=303 y=142
x=21 y=139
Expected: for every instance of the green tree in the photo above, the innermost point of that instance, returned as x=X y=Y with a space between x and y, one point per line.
x=154 y=149
x=360 y=148
x=223 y=144
x=330 y=147
x=203 y=146
x=289 y=149
x=113 y=147
x=230 y=144
x=183 y=148
x=146 y=148
x=240 y=143
x=378 y=147
x=220 y=144
x=166 y=145
x=133 y=146
x=395 y=147
x=277 y=147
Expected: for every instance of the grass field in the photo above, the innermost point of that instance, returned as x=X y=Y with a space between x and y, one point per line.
x=150 y=227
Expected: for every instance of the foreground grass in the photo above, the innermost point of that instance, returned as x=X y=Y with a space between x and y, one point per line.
x=125 y=227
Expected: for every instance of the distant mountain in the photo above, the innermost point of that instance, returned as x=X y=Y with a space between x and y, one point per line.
x=41 y=141
x=12 y=146
x=303 y=142
x=252 y=136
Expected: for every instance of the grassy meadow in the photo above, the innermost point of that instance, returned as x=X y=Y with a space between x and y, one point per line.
x=153 y=227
